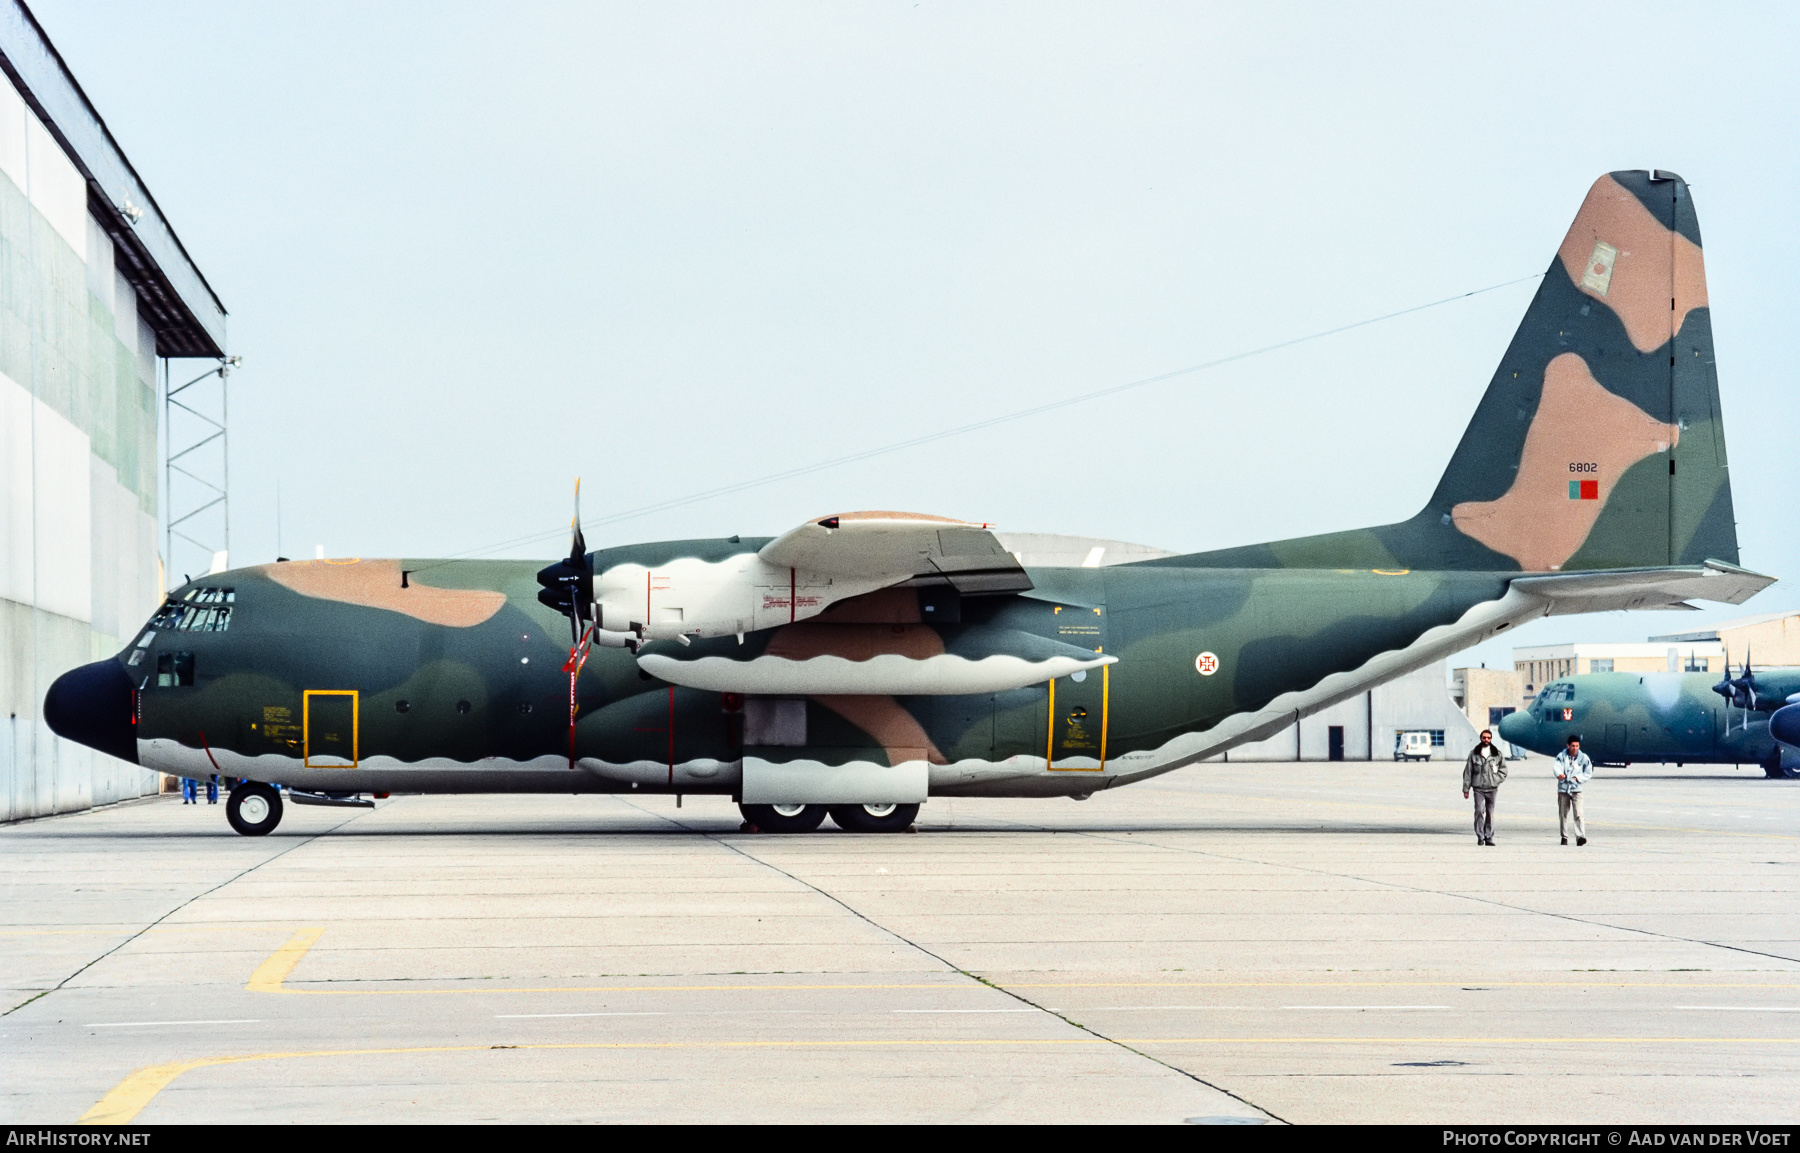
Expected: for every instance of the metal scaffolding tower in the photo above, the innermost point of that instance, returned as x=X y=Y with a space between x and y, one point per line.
x=197 y=471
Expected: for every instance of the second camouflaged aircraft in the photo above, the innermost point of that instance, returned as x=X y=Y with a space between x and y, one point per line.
x=1638 y=718
x=861 y=663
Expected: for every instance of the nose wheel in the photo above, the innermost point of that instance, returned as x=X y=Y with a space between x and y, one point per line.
x=253 y=808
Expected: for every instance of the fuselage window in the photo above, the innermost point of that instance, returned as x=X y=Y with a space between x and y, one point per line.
x=205 y=610
x=174 y=670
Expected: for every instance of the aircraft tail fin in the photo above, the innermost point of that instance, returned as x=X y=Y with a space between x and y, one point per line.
x=1599 y=443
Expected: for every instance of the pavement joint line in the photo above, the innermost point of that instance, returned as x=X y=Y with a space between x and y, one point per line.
x=302 y=843
x=134 y=1024
x=1021 y=998
x=1440 y=893
x=129 y=1097
x=140 y=932
x=1516 y=816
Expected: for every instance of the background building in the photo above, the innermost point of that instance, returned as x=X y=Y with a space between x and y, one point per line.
x=1485 y=695
x=1770 y=639
x=95 y=289
x=1363 y=727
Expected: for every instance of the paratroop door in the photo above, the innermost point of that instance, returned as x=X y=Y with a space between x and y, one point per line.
x=331 y=721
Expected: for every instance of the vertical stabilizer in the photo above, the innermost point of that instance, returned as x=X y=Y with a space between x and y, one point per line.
x=1599 y=443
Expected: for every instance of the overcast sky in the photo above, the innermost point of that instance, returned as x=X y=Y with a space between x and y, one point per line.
x=471 y=251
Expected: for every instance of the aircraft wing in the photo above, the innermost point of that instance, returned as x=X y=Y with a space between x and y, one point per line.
x=898 y=547
x=1656 y=588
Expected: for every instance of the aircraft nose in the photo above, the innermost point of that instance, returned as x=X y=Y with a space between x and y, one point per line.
x=92 y=706
x=1514 y=727
x=1784 y=726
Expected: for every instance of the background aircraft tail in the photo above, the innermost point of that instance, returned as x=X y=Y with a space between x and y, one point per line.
x=1599 y=443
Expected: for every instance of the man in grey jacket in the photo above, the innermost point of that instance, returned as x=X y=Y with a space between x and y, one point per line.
x=1483 y=772
x=1573 y=768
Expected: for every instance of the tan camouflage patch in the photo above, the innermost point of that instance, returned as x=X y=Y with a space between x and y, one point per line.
x=1581 y=433
x=881 y=514
x=1618 y=253
x=803 y=641
x=892 y=727
x=896 y=606
x=375 y=584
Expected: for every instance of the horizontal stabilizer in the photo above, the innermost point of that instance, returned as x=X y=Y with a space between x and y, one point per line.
x=1657 y=588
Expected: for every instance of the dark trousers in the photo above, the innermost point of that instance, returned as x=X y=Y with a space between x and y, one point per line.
x=1484 y=813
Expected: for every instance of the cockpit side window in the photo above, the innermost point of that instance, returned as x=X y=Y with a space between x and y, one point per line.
x=174 y=670
x=201 y=610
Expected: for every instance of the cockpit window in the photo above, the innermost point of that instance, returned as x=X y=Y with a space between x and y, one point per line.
x=1553 y=694
x=202 y=610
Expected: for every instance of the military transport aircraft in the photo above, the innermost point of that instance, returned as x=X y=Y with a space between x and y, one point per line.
x=863 y=662
x=1635 y=718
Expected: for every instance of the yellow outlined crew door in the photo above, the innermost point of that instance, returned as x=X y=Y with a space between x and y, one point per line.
x=330 y=724
x=1076 y=732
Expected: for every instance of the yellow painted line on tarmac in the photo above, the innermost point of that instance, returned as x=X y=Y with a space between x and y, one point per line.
x=271 y=977
x=1473 y=981
x=271 y=973
x=129 y=1096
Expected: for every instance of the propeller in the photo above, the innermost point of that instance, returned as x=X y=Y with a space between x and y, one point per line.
x=1744 y=687
x=1726 y=689
x=569 y=589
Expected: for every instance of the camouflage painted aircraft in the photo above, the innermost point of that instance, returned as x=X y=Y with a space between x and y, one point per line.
x=1637 y=718
x=863 y=662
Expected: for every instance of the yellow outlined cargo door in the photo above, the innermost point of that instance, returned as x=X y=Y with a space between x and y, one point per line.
x=331 y=719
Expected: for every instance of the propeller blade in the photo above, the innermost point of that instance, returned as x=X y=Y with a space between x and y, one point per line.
x=569 y=589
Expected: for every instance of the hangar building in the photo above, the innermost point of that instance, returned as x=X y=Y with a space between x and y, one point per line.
x=96 y=294
x=1364 y=727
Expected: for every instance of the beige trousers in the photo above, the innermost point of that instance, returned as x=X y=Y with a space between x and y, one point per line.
x=1567 y=804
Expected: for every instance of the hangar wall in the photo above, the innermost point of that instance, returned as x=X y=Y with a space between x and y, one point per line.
x=78 y=456
x=1418 y=700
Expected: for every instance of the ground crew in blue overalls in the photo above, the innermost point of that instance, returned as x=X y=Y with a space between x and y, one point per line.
x=190 y=789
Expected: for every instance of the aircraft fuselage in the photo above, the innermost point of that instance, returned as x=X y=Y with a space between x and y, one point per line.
x=456 y=683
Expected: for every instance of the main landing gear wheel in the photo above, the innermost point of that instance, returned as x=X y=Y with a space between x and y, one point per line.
x=874 y=818
x=253 y=808
x=784 y=818
x=1774 y=770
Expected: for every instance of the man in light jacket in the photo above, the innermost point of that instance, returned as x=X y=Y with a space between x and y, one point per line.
x=1572 y=771
x=1483 y=772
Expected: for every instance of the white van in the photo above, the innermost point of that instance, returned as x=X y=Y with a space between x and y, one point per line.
x=1412 y=745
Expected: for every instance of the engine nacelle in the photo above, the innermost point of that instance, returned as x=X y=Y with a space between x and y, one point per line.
x=696 y=598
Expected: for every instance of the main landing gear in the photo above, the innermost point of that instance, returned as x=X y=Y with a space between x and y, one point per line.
x=253 y=808
x=850 y=818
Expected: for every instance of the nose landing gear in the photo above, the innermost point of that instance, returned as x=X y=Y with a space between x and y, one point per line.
x=253 y=808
